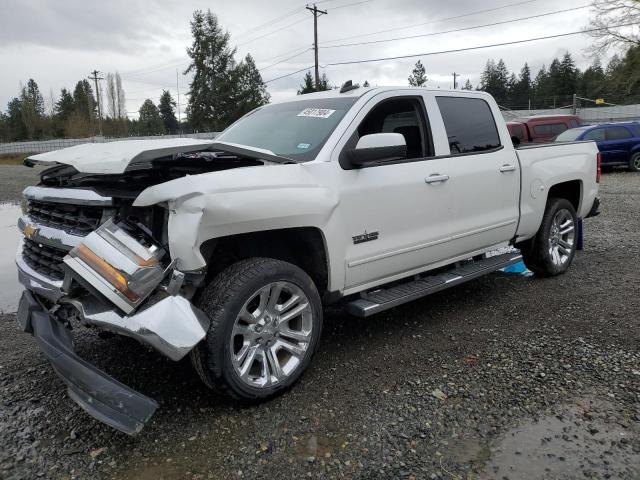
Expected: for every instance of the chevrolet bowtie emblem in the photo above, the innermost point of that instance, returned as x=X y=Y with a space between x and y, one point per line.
x=29 y=230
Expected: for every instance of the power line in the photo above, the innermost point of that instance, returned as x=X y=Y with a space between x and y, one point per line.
x=271 y=22
x=458 y=29
x=284 y=60
x=477 y=12
x=479 y=47
x=272 y=32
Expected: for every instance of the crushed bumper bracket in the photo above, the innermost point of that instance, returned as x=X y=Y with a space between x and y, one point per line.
x=97 y=393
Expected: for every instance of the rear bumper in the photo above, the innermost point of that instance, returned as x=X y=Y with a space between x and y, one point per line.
x=97 y=393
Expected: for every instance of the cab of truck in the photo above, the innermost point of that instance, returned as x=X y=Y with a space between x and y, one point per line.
x=541 y=128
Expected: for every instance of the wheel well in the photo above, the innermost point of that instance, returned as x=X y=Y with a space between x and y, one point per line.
x=570 y=190
x=304 y=247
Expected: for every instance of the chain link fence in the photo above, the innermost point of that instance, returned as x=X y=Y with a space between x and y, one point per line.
x=589 y=115
x=56 y=144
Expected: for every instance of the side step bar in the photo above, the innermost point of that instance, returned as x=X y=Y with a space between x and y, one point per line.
x=376 y=301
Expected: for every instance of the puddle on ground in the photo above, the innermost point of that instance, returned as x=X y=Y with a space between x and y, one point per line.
x=589 y=438
x=9 y=236
x=318 y=446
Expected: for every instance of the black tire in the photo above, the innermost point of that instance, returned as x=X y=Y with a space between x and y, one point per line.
x=634 y=163
x=222 y=301
x=536 y=252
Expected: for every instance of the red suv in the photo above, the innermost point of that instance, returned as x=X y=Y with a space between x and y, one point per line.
x=541 y=128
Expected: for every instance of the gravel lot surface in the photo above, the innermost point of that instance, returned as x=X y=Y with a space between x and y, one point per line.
x=504 y=377
x=14 y=179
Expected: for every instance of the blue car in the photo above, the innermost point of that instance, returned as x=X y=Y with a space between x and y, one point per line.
x=619 y=143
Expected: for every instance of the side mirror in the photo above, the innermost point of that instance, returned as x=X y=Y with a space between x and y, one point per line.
x=378 y=147
x=515 y=140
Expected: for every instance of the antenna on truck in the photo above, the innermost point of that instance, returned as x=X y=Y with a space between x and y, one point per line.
x=348 y=86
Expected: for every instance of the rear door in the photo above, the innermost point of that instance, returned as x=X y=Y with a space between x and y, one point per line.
x=484 y=174
x=618 y=143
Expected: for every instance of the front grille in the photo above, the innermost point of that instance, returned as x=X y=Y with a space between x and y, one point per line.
x=74 y=219
x=44 y=259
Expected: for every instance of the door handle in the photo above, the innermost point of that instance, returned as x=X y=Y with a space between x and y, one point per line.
x=436 y=177
x=507 y=168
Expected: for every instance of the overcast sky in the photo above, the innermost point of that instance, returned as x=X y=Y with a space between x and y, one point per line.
x=58 y=42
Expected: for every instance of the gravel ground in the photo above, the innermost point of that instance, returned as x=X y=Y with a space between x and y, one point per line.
x=504 y=377
x=14 y=179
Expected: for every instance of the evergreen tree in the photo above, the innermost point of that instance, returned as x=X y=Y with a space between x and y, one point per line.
x=307 y=85
x=167 y=109
x=593 y=80
x=15 y=125
x=366 y=84
x=32 y=108
x=251 y=92
x=64 y=106
x=494 y=79
x=569 y=76
x=150 y=122
x=522 y=89
x=467 y=85
x=418 y=75
x=211 y=99
x=84 y=101
x=324 y=83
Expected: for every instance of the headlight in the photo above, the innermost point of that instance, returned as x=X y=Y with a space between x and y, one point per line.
x=120 y=261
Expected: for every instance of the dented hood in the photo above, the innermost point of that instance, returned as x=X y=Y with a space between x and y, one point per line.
x=115 y=157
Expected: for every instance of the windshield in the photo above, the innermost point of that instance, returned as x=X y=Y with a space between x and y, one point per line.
x=295 y=130
x=569 y=135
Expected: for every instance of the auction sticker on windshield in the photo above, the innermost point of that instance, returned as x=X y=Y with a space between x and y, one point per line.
x=316 y=112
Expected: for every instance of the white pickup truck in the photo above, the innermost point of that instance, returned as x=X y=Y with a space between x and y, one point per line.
x=228 y=249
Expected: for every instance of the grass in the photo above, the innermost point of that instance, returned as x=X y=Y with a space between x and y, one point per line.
x=13 y=158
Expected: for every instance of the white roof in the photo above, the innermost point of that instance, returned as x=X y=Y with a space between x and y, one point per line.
x=114 y=157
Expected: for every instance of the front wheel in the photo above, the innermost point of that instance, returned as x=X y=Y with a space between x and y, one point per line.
x=552 y=250
x=634 y=163
x=266 y=319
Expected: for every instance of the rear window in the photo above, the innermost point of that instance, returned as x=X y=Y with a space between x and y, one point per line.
x=517 y=131
x=568 y=135
x=617 y=133
x=549 y=129
x=596 y=134
x=469 y=124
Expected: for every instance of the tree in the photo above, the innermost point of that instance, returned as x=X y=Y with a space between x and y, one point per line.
x=167 y=109
x=112 y=96
x=593 y=80
x=32 y=108
x=150 y=122
x=251 y=92
x=418 y=75
x=608 y=14
x=210 y=104
x=467 y=85
x=84 y=102
x=308 y=84
x=521 y=92
x=122 y=104
x=494 y=79
x=15 y=125
x=366 y=84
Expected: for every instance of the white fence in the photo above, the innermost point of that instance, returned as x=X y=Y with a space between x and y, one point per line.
x=622 y=113
x=57 y=144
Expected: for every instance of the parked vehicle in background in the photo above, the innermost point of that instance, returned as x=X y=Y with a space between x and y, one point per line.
x=619 y=143
x=228 y=250
x=541 y=128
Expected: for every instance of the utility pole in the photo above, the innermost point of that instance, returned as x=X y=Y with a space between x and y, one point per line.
x=316 y=13
x=178 y=89
x=455 y=83
x=95 y=79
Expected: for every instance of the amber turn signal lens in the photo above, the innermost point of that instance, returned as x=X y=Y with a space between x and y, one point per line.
x=107 y=271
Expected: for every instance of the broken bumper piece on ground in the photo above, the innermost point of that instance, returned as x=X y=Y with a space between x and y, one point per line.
x=97 y=393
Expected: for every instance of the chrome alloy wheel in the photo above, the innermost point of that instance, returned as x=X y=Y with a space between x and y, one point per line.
x=636 y=162
x=561 y=237
x=271 y=334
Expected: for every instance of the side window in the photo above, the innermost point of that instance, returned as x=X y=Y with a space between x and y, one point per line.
x=549 y=129
x=516 y=131
x=469 y=124
x=596 y=135
x=573 y=123
x=400 y=115
x=636 y=130
x=617 y=133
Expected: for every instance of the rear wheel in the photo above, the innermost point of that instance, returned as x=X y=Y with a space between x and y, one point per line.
x=266 y=319
x=634 y=163
x=552 y=250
